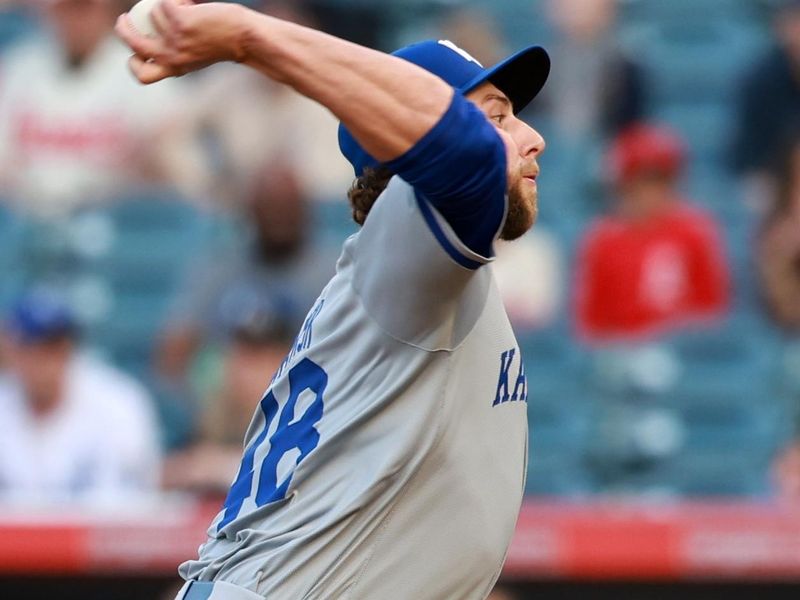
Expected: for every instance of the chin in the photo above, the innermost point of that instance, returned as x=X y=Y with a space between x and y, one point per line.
x=523 y=210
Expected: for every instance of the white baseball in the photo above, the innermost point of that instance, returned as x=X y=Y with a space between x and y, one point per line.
x=139 y=16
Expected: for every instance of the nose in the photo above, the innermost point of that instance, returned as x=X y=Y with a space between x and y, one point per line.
x=530 y=142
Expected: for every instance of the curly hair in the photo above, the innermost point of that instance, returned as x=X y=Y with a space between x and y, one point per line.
x=366 y=189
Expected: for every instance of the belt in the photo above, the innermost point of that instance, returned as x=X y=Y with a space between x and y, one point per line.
x=215 y=590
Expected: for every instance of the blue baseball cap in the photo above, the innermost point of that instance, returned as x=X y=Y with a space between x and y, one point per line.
x=40 y=315
x=520 y=77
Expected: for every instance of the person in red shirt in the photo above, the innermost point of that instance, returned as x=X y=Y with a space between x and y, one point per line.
x=655 y=262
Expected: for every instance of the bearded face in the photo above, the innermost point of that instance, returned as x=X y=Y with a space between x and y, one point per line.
x=522 y=208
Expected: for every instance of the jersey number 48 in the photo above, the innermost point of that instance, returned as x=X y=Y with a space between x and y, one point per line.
x=293 y=439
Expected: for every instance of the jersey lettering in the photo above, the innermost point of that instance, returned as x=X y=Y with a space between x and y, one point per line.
x=294 y=439
x=520 y=393
x=502 y=382
x=303 y=339
x=521 y=385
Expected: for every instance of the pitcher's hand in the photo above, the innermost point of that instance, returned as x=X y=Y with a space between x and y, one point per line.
x=190 y=37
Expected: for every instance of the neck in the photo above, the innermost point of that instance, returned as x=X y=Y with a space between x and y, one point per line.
x=277 y=253
x=43 y=404
x=77 y=58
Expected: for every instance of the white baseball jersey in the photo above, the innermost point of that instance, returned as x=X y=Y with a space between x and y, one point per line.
x=73 y=137
x=100 y=444
x=387 y=459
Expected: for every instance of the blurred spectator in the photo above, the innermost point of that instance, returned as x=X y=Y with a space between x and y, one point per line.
x=365 y=23
x=779 y=246
x=655 y=262
x=74 y=124
x=769 y=107
x=530 y=276
x=236 y=121
x=778 y=262
x=73 y=427
x=280 y=264
x=469 y=27
x=259 y=340
x=596 y=90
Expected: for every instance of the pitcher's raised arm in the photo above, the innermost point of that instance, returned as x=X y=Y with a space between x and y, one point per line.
x=387 y=103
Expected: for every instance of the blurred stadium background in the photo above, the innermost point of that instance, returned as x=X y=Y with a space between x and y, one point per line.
x=662 y=459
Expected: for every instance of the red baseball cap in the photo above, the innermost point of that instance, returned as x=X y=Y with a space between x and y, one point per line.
x=645 y=148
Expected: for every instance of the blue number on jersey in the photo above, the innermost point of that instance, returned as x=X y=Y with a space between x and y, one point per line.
x=292 y=433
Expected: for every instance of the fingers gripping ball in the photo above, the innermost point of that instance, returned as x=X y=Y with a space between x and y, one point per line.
x=139 y=17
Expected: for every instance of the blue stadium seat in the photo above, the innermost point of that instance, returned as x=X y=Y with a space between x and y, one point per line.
x=134 y=252
x=11 y=271
x=711 y=428
x=333 y=219
x=559 y=418
x=740 y=239
x=559 y=422
x=732 y=420
x=154 y=229
x=705 y=127
x=569 y=187
x=692 y=449
x=177 y=416
x=699 y=475
x=713 y=187
x=14 y=24
x=633 y=371
x=550 y=474
x=126 y=259
x=790 y=369
x=681 y=11
x=521 y=23
x=559 y=413
x=738 y=353
x=551 y=357
x=694 y=60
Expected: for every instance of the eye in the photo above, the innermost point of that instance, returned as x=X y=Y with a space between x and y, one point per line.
x=498 y=119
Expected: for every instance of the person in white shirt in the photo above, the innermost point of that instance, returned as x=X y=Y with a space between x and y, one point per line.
x=74 y=128
x=217 y=155
x=74 y=429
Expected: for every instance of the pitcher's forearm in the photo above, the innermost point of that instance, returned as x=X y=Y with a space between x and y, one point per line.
x=386 y=102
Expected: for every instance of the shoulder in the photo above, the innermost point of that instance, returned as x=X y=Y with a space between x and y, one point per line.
x=393 y=211
x=399 y=195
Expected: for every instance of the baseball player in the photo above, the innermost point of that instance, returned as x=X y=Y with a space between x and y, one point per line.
x=387 y=457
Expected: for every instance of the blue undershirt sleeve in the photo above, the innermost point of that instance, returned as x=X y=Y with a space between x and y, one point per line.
x=459 y=169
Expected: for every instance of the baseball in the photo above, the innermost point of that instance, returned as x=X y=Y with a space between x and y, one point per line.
x=140 y=17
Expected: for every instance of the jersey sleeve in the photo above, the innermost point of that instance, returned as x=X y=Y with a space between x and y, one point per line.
x=458 y=172
x=417 y=258
x=407 y=281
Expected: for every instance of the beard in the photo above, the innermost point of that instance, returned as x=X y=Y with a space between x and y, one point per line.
x=522 y=211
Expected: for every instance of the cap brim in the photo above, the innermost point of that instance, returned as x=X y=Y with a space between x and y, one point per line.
x=521 y=76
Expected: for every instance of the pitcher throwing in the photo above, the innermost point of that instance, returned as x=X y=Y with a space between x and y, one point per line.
x=387 y=457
